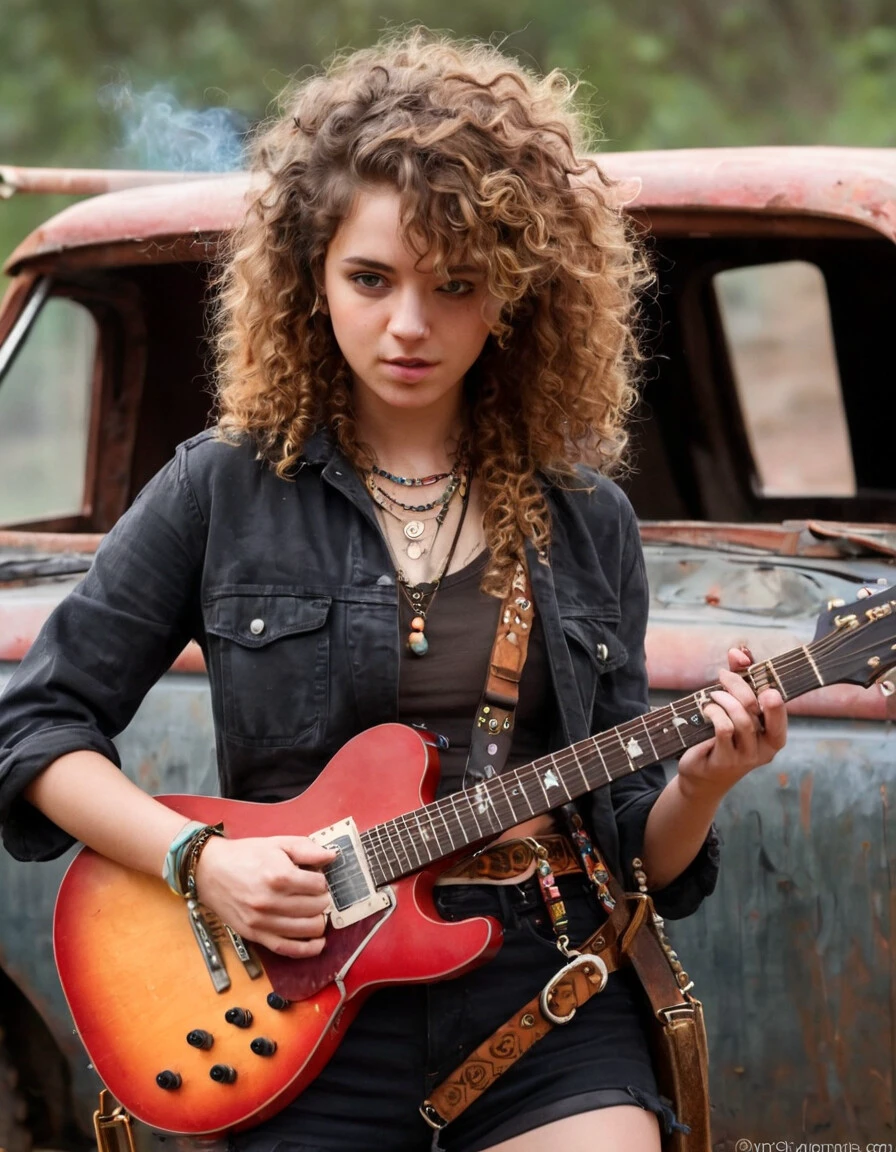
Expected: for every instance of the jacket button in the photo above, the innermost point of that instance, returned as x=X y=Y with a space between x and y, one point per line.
x=256 y=627
x=602 y=651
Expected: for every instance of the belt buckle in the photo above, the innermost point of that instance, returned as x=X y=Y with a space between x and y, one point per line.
x=594 y=969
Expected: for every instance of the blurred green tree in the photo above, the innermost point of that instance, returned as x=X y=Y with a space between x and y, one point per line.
x=693 y=72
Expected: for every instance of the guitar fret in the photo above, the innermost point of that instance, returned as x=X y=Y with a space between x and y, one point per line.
x=623 y=747
x=575 y=756
x=812 y=665
x=388 y=826
x=644 y=725
x=678 y=722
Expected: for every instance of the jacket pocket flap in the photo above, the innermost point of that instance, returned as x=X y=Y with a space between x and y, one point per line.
x=598 y=639
x=254 y=620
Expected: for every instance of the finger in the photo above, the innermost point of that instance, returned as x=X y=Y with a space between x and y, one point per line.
x=736 y=686
x=294 y=949
x=731 y=720
x=774 y=715
x=305 y=852
x=739 y=658
x=258 y=925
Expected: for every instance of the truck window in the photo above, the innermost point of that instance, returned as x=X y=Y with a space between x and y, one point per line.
x=45 y=415
x=777 y=325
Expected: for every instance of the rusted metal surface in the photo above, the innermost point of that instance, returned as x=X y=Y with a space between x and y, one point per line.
x=792 y=955
x=856 y=185
x=155 y=214
x=83 y=181
x=807 y=538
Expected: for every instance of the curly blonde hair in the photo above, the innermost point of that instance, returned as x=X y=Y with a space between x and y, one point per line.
x=486 y=159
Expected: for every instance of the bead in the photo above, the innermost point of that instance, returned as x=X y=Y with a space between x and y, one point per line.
x=418 y=643
x=418 y=623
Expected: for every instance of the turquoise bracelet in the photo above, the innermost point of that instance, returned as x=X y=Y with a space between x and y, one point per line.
x=175 y=856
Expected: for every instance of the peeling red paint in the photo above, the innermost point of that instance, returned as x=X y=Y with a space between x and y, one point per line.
x=806 y=786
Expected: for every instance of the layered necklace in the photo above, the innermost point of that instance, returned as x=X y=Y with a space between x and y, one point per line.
x=421 y=532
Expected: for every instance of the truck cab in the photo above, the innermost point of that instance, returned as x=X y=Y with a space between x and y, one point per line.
x=763 y=478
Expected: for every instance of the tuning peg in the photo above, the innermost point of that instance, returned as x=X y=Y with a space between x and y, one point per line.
x=832 y=604
x=887 y=687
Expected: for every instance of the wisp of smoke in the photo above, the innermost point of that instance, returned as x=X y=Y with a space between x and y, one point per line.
x=159 y=133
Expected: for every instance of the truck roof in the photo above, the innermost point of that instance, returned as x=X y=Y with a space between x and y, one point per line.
x=853 y=185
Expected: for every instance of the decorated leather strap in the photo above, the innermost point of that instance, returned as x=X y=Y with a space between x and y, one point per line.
x=582 y=977
x=493 y=727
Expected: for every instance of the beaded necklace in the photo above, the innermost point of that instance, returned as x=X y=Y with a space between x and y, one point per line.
x=410 y=481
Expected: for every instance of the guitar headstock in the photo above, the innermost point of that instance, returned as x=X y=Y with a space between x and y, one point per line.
x=856 y=643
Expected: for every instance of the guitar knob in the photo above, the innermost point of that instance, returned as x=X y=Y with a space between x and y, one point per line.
x=199 y=1038
x=222 y=1073
x=239 y=1017
x=864 y=593
x=261 y=1046
x=168 y=1080
x=277 y=1002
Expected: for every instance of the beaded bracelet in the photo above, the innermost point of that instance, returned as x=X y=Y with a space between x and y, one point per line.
x=187 y=875
x=174 y=856
x=183 y=853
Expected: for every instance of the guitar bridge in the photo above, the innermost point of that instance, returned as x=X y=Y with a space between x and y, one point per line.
x=351 y=885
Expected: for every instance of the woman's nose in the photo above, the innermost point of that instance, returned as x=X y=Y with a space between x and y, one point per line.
x=409 y=320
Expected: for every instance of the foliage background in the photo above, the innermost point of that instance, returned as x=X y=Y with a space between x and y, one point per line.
x=103 y=82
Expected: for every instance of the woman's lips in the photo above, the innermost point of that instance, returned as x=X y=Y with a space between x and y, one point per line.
x=408 y=369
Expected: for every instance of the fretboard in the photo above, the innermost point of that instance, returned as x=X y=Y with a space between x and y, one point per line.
x=415 y=839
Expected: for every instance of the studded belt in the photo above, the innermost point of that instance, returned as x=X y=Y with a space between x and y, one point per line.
x=510 y=860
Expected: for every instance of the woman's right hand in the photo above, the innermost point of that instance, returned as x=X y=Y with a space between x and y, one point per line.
x=268 y=889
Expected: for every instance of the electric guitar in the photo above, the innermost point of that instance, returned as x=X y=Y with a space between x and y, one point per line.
x=198 y=1033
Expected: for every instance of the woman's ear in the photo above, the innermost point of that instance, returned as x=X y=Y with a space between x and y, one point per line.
x=320 y=304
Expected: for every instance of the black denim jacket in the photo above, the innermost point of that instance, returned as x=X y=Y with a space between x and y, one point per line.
x=289 y=589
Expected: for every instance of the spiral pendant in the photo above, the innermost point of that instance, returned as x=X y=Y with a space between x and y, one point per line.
x=414 y=529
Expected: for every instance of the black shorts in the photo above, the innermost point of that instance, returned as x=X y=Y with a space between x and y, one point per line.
x=406 y=1040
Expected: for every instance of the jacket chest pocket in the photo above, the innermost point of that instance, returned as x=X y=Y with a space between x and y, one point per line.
x=594 y=649
x=273 y=655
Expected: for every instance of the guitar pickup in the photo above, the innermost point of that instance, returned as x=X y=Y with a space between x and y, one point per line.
x=352 y=890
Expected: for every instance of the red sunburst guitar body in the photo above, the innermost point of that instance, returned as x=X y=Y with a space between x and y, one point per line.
x=137 y=983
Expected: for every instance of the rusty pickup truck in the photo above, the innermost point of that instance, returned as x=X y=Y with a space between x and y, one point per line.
x=765 y=484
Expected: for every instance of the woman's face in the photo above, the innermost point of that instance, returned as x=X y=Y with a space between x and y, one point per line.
x=408 y=336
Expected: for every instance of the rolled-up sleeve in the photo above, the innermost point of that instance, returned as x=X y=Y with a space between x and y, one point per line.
x=101 y=650
x=624 y=695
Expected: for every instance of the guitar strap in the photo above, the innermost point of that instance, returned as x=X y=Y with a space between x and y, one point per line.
x=493 y=727
x=632 y=934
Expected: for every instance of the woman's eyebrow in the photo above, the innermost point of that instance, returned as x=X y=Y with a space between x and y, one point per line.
x=379 y=266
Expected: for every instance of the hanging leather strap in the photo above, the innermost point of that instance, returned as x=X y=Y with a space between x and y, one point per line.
x=573 y=985
x=493 y=727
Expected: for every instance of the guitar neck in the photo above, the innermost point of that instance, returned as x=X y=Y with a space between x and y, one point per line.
x=414 y=840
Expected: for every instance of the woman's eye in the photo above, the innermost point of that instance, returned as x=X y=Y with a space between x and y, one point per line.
x=368 y=280
x=457 y=288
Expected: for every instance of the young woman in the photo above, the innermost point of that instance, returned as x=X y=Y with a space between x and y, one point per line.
x=424 y=336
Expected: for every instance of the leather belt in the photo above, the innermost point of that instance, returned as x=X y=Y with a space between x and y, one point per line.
x=509 y=859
